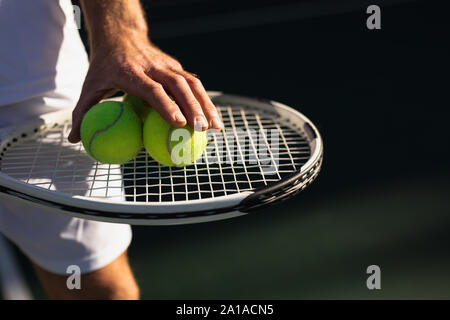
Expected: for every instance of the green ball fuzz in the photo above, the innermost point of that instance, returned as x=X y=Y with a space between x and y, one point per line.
x=139 y=106
x=170 y=146
x=111 y=132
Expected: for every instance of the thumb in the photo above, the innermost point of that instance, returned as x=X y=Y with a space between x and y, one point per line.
x=84 y=104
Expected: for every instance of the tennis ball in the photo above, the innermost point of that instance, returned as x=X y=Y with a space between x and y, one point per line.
x=172 y=146
x=139 y=106
x=111 y=132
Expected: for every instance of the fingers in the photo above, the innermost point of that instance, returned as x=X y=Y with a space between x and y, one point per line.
x=177 y=86
x=202 y=97
x=196 y=107
x=88 y=98
x=154 y=94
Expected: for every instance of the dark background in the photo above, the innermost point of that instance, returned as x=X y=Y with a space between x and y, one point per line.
x=380 y=100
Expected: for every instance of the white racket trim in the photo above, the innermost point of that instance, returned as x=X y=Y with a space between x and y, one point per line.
x=153 y=213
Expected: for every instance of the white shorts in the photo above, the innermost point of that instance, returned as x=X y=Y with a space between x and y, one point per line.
x=55 y=241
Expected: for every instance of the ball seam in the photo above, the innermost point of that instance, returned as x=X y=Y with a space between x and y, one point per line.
x=106 y=128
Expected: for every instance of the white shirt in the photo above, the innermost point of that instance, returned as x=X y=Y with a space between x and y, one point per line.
x=40 y=51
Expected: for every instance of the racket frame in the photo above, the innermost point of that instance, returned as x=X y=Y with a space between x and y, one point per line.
x=166 y=213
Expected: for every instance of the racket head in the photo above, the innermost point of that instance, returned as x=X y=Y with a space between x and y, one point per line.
x=39 y=165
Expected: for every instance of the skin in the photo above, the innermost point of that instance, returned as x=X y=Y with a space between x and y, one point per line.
x=113 y=282
x=123 y=58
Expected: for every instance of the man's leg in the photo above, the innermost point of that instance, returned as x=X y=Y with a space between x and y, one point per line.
x=114 y=281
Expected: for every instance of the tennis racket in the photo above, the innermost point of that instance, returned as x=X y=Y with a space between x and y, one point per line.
x=267 y=152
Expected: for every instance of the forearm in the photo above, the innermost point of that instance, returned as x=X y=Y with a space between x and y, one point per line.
x=109 y=22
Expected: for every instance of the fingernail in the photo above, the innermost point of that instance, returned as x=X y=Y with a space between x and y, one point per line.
x=200 y=124
x=71 y=137
x=180 y=118
x=216 y=123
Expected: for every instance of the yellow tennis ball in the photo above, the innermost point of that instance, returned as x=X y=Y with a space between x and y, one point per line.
x=111 y=132
x=172 y=146
x=139 y=106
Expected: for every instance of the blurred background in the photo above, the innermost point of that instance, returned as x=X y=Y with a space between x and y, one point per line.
x=380 y=100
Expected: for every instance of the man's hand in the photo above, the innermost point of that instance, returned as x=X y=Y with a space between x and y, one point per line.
x=123 y=58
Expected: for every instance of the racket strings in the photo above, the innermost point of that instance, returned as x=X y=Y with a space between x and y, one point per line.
x=255 y=149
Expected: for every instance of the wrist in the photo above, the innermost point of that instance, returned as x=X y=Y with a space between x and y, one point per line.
x=120 y=41
x=117 y=36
